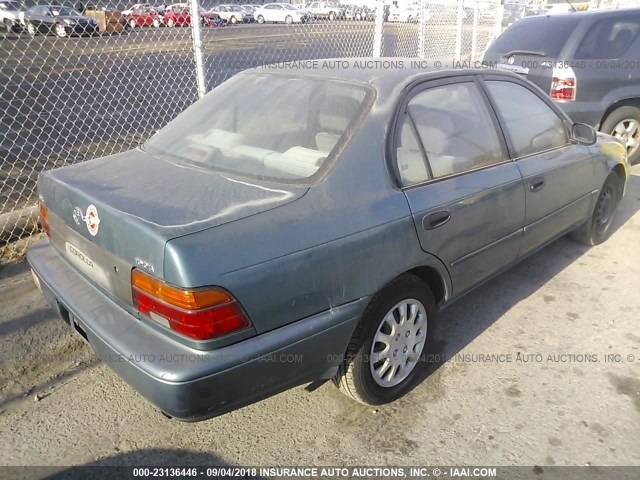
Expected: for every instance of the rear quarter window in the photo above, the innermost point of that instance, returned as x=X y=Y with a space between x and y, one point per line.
x=546 y=35
x=609 y=38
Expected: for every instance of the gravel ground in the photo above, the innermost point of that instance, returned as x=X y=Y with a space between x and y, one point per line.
x=550 y=399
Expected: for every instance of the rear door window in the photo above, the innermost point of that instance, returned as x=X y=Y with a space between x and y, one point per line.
x=531 y=125
x=544 y=35
x=455 y=129
x=609 y=38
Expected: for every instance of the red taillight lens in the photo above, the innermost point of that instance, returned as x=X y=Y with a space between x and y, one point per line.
x=44 y=218
x=198 y=314
x=563 y=84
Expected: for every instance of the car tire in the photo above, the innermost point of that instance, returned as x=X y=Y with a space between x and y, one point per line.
x=332 y=16
x=132 y=23
x=171 y=23
x=260 y=19
x=288 y=20
x=598 y=228
x=624 y=124
x=31 y=29
x=356 y=375
x=358 y=17
x=8 y=25
x=156 y=23
x=233 y=20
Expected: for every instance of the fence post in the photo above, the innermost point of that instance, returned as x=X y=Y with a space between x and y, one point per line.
x=377 y=32
x=474 y=32
x=421 y=25
x=196 y=34
x=458 y=52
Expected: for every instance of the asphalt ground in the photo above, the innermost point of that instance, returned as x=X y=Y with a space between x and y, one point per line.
x=540 y=366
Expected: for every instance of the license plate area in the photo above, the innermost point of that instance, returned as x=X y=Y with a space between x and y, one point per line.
x=73 y=322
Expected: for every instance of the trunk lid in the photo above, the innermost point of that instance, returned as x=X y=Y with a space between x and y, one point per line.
x=123 y=209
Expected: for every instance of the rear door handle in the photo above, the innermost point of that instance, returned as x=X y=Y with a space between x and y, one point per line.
x=536 y=184
x=435 y=220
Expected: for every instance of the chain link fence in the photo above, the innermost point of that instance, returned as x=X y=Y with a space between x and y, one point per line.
x=68 y=94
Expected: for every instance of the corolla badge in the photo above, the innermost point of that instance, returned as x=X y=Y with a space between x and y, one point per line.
x=91 y=218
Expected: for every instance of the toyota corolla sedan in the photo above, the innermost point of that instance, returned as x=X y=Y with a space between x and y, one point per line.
x=230 y=258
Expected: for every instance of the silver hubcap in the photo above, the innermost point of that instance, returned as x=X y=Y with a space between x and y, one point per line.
x=398 y=343
x=61 y=31
x=628 y=132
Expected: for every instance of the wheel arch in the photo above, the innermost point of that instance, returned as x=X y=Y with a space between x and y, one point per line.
x=624 y=102
x=435 y=280
x=620 y=172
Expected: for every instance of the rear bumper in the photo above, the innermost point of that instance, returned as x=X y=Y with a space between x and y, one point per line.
x=191 y=384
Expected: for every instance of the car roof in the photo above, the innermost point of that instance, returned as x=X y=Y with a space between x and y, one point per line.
x=384 y=73
x=590 y=13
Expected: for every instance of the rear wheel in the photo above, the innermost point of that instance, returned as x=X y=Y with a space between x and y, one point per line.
x=598 y=228
x=233 y=20
x=624 y=124
x=385 y=353
x=132 y=23
x=171 y=23
x=8 y=25
x=260 y=19
x=288 y=20
x=31 y=29
x=332 y=16
x=156 y=23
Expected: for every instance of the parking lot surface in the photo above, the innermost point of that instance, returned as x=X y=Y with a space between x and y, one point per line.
x=540 y=366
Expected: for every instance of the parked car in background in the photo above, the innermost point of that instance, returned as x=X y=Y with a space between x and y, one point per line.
x=358 y=12
x=588 y=62
x=159 y=9
x=12 y=15
x=144 y=16
x=403 y=14
x=560 y=8
x=247 y=252
x=324 y=10
x=230 y=13
x=513 y=11
x=248 y=13
x=281 y=13
x=212 y=19
x=60 y=20
x=179 y=15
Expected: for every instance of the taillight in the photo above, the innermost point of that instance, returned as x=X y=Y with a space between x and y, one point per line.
x=44 y=218
x=563 y=84
x=200 y=314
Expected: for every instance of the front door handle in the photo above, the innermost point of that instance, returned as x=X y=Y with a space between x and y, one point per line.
x=536 y=184
x=435 y=220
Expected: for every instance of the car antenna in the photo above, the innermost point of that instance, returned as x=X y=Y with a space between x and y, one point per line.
x=571 y=5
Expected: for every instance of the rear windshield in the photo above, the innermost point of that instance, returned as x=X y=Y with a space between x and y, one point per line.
x=271 y=127
x=546 y=35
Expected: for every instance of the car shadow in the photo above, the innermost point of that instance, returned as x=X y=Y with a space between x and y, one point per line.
x=459 y=324
x=121 y=465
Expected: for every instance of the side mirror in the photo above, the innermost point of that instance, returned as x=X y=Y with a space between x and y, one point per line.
x=583 y=134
